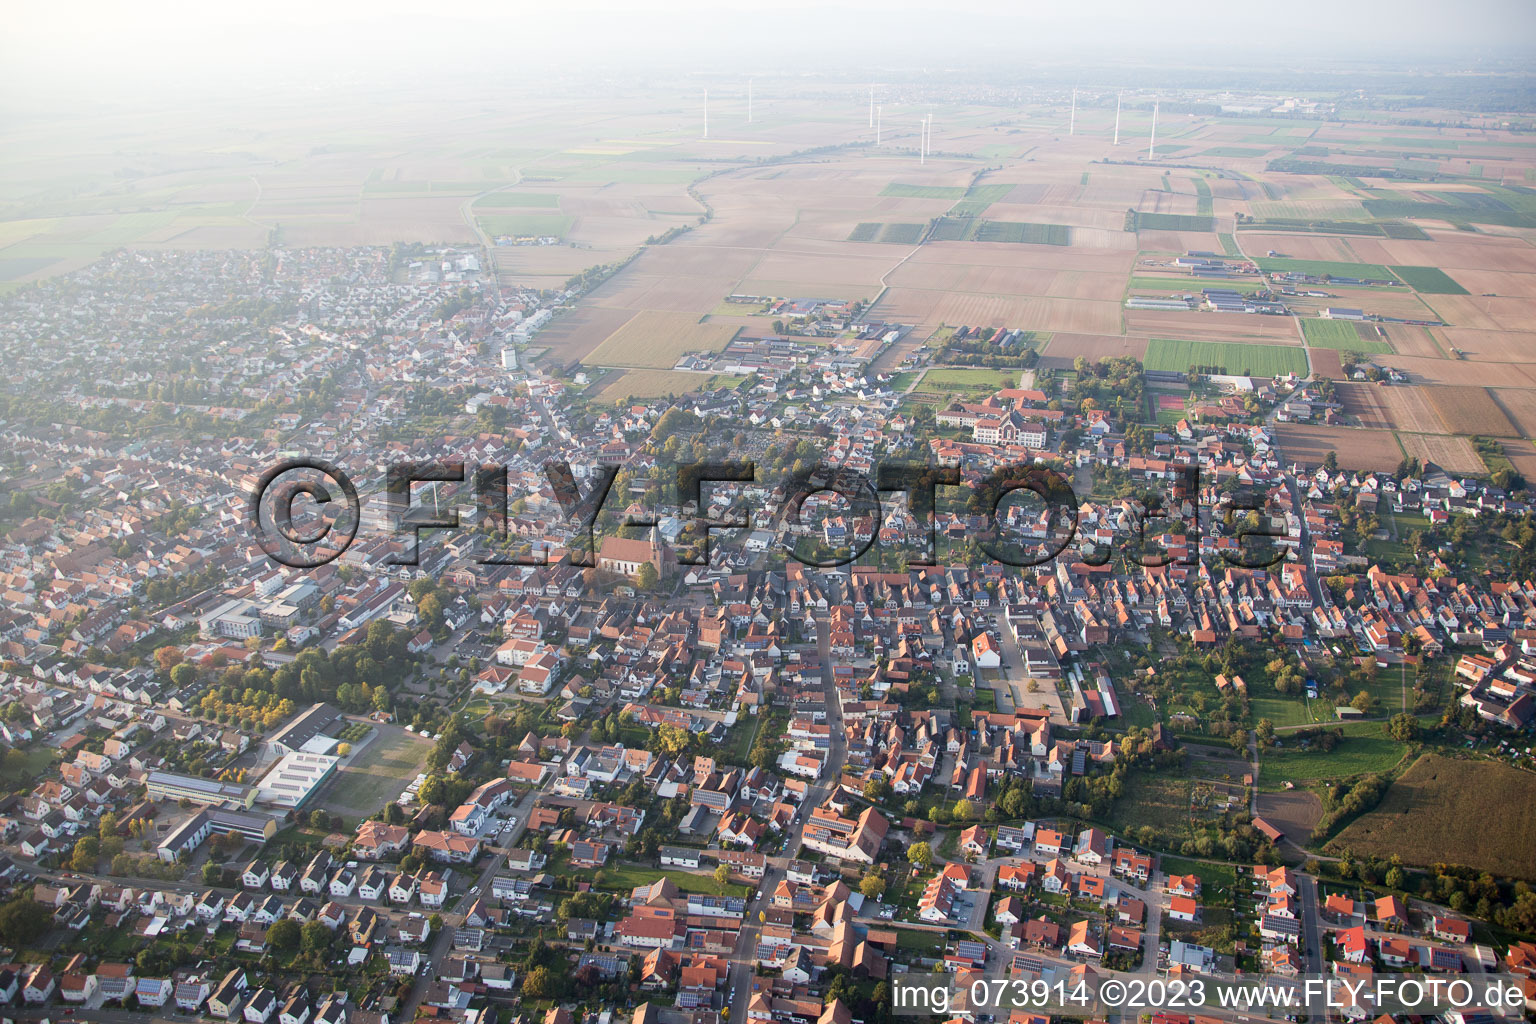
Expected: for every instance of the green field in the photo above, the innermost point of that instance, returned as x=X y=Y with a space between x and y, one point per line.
x=1233 y=151
x=1339 y=334
x=1013 y=231
x=1317 y=268
x=896 y=234
x=1187 y=285
x=1173 y=222
x=1474 y=812
x=977 y=198
x=625 y=877
x=1232 y=357
x=1365 y=748
x=503 y=199
x=526 y=224
x=983 y=381
x=922 y=191
x=1430 y=280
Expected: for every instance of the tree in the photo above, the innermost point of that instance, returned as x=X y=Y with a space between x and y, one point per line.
x=23 y=920
x=183 y=675
x=212 y=874
x=963 y=810
x=1331 y=461
x=872 y=886
x=877 y=788
x=1403 y=727
x=542 y=983
x=343 y=749
x=920 y=855
x=1363 y=702
x=285 y=935
x=1395 y=878
x=722 y=876
x=86 y=851
x=316 y=937
x=647 y=578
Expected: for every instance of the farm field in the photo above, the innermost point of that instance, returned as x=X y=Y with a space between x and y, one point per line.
x=1474 y=812
x=1340 y=334
x=1365 y=404
x=1203 y=326
x=1470 y=410
x=1231 y=358
x=1496 y=346
x=554 y=224
x=1452 y=454
x=1520 y=404
x=1431 y=280
x=654 y=383
x=1064 y=348
x=656 y=339
x=1371 y=271
x=1295 y=812
x=1357 y=449
x=1409 y=408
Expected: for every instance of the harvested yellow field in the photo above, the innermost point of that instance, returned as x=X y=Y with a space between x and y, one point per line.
x=656 y=339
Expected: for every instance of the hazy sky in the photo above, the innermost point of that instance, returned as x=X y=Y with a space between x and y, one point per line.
x=113 y=46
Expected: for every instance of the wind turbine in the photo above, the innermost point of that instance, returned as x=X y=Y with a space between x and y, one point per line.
x=706 y=113
x=1152 y=142
x=879 y=114
x=871 y=106
x=1118 y=97
x=749 y=101
x=1072 y=121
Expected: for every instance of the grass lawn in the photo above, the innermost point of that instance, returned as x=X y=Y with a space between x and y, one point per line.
x=969 y=381
x=1365 y=748
x=914 y=941
x=624 y=877
x=376 y=774
x=1231 y=357
x=1214 y=878
x=1282 y=710
x=738 y=741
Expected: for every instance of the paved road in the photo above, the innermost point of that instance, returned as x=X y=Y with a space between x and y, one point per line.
x=443 y=941
x=739 y=976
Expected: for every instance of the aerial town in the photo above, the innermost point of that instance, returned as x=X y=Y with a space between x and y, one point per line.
x=548 y=729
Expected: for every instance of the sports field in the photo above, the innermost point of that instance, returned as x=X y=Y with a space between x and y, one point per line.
x=1225 y=357
x=376 y=774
